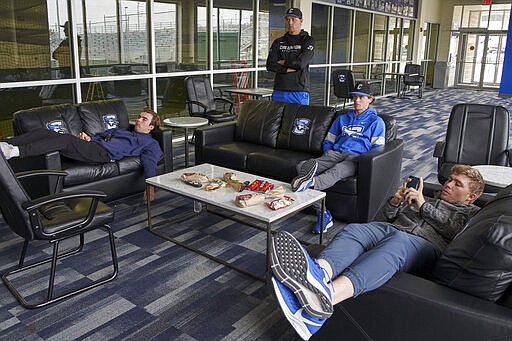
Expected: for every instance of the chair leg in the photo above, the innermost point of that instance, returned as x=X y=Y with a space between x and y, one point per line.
x=55 y=257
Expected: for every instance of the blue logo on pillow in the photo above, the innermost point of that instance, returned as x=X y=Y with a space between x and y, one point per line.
x=57 y=126
x=110 y=121
x=301 y=126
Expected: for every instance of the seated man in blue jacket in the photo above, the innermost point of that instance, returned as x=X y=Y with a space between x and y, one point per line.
x=352 y=134
x=110 y=145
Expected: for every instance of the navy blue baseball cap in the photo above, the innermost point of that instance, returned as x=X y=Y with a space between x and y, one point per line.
x=362 y=89
x=293 y=12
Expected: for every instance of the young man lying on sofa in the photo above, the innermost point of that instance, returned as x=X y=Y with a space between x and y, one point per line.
x=112 y=144
x=363 y=257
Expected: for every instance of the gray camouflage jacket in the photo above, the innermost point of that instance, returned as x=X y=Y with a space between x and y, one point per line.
x=437 y=221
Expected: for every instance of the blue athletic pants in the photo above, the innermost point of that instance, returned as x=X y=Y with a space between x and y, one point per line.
x=370 y=254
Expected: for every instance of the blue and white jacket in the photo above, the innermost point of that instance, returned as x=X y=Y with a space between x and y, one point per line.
x=356 y=134
x=120 y=143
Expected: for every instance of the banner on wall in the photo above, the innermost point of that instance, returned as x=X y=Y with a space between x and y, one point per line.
x=506 y=76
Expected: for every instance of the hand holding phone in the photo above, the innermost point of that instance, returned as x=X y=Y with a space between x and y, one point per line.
x=414 y=182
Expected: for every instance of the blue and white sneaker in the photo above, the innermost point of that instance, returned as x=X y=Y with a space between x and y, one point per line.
x=327 y=222
x=304 y=324
x=292 y=265
x=305 y=178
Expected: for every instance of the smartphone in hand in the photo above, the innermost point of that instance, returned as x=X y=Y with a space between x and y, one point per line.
x=414 y=182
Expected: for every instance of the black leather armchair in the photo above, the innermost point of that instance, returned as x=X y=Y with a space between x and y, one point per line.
x=477 y=134
x=53 y=218
x=201 y=101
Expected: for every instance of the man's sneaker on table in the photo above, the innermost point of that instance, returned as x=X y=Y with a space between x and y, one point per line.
x=294 y=268
x=304 y=324
x=305 y=178
x=327 y=222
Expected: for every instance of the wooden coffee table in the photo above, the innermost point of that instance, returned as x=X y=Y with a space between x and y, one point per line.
x=224 y=199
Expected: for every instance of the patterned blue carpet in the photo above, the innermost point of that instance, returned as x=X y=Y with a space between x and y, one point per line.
x=165 y=292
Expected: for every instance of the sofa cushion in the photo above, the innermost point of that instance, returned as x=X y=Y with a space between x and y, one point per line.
x=259 y=122
x=304 y=127
x=80 y=173
x=479 y=260
x=62 y=118
x=98 y=116
x=279 y=164
x=231 y=155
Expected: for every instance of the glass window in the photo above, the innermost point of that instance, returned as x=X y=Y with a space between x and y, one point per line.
x=232 y=35
x=362 y=36
x=180 y=35
x=379 y=38
x=271 y=26
x=115 y=38
x=171 y=97
x=319 y=31
x=317 y=90
x=29 y=36
x=475 y=16
x=341 y=35
x=457 y=17
x=407 y=42
x=393 y=49
x=500 y=16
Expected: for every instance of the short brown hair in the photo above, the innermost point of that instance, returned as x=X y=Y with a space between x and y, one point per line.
x=476 y=183
x=155 y=120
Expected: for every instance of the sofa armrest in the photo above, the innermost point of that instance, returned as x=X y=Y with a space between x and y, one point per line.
x=413 y=308
x=211 y=135
x=37 y=187
x=378 y=177
x=164 y=138
x=439 y=149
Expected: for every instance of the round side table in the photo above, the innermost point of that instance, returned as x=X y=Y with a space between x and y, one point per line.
x=498 y=176
x=186 y=122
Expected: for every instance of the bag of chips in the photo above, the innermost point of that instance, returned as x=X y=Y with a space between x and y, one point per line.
x=251 y=199
x=279 y=203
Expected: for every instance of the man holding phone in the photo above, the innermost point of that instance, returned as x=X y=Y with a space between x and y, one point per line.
x=362 y=257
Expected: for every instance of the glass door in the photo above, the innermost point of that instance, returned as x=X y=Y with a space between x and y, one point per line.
x=481 y=59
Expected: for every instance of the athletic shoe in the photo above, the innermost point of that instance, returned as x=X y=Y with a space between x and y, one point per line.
x=304 y=324
x=7 y=150
x=304 y=179
x=327 y=222
x=292 y=265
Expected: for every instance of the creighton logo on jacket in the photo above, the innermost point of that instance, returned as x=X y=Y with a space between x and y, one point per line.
x=356 y=134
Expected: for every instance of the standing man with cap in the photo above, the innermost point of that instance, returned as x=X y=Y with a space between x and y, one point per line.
x=354 y=133
x=289 y=58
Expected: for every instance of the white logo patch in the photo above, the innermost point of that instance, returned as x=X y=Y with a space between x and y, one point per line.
x=301 y=126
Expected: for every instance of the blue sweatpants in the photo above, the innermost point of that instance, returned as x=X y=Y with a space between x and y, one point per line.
x=301 y=97
x=370 y=254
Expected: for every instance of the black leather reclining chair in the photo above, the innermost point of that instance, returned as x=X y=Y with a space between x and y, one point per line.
x=52 y=218
x=202 y=103
x=477 y=134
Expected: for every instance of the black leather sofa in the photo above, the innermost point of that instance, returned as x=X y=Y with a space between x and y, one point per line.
x=116 y=179
x=468 y=295
x=270 y=138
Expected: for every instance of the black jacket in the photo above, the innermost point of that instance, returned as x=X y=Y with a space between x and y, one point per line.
x=297 y=51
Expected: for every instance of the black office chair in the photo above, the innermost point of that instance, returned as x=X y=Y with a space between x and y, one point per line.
x=53 y=218
x=343 y=81
x=477 y=134
x=413 y=78
x=202 y=103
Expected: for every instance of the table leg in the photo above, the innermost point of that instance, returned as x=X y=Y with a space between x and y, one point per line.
x=399 y=83
x=186 y=147
x=269 y=242
x=148 y=206
x=322 y=222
